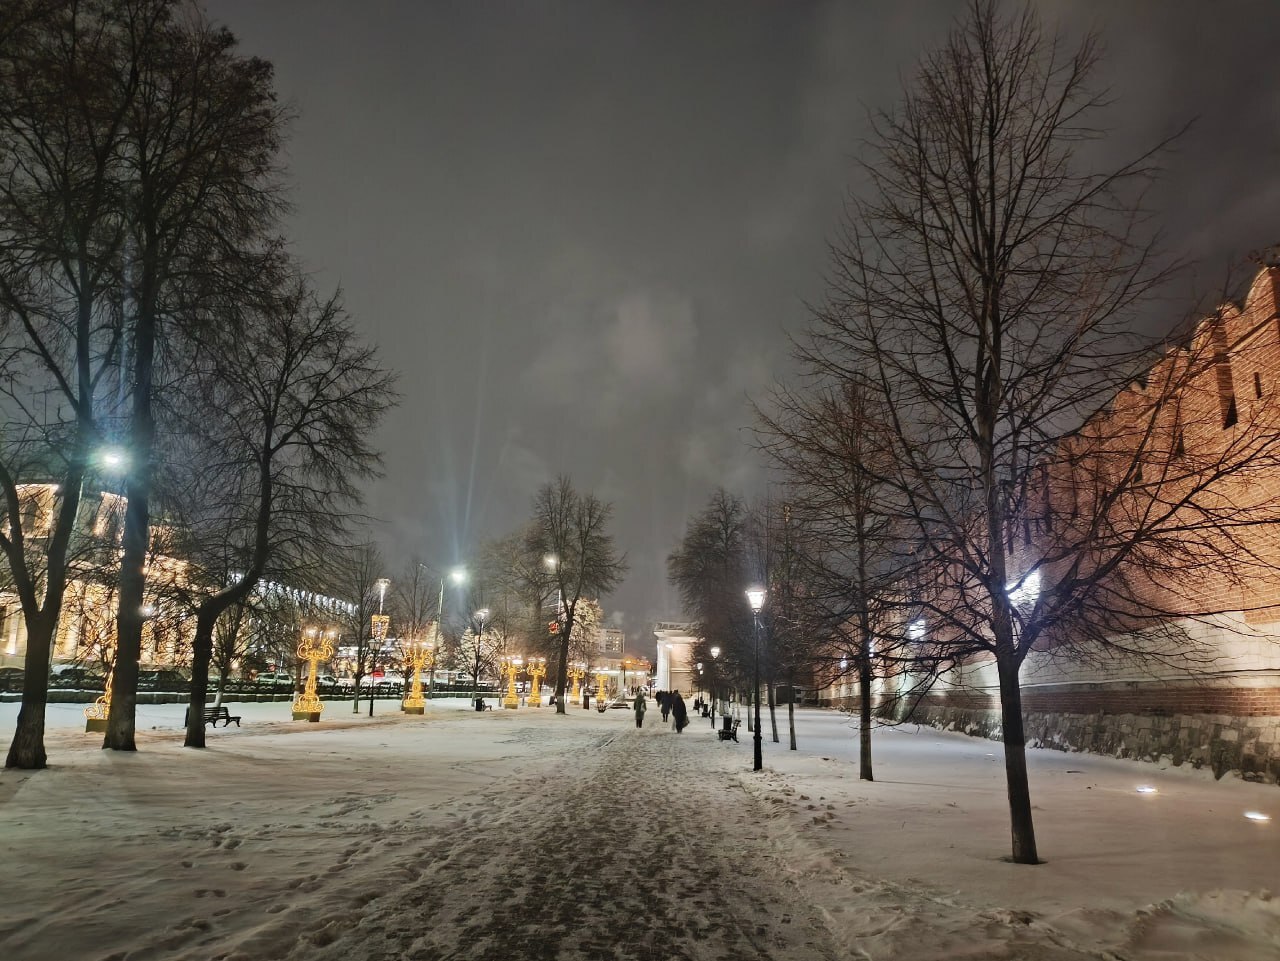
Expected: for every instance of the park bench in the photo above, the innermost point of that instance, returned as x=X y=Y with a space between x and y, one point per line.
x=729 y=733
x=212 y=715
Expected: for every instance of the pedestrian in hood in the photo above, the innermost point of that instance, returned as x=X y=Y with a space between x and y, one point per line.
x=640 y=709
x=679 y=712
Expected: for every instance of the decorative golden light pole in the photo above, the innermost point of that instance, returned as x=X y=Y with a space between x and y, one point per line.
x=602 y=690
x=512 y=667
x=95 y=715
x=577 y=671
x=537 y=668
x=316 y=646
x=417 y=655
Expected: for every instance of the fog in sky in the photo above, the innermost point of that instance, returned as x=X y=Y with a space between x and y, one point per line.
x=581 y=231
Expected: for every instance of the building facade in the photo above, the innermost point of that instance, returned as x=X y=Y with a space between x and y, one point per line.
x=676 y=670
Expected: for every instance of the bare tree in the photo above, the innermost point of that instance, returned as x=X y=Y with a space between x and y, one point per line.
x=198 y=176
x=282 y=413
x=568 y=535
x=985 y=288
x=836 y=451
x=711 y=569
x=359 y=571
x=61 y=237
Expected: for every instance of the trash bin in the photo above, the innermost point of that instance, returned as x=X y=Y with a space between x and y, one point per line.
x=479 y=704
x=727 y=721
x=586 y=702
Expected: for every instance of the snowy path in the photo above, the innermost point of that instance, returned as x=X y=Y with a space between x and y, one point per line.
x=649 y=879
x=524 y=834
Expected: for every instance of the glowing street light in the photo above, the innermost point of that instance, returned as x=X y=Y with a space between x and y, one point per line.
x=417 y=655
x=537 y=670
x=315 y=647
x=755 y=597
x=511 y=667
x=378 y=626
x=577 y=671
x=715 y=653
x=458 y=576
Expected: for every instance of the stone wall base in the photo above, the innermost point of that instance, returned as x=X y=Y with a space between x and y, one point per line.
x=1249 y=746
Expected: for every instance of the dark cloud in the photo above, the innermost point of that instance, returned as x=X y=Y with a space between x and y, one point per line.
x=581 y=230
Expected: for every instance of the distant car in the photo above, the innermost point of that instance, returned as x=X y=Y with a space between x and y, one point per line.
x=76 y=677
x=275 y=679
x=12 y=678
x=389 y=683
x=621 y=702
x=163 y=680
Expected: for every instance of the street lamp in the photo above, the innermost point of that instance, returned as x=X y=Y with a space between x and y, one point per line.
x=755 y=597
x=378 y=625
x=715 y=653
x=480 y=617
x=113 y=459
x=459 y=576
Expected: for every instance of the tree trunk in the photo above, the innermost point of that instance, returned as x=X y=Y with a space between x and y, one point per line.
x=773 y=714
x=562 y=671
x=1015 y=762
x=27 y=748
x=864 y=720
x=791 y=714
x=201 y=654
x=137 y=532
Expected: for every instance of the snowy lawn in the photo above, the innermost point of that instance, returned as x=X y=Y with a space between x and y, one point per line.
x=521 y=833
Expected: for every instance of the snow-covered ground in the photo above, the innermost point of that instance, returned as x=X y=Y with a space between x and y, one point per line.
x=464 y=835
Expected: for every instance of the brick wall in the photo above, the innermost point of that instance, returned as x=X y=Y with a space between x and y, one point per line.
x=1226 y=729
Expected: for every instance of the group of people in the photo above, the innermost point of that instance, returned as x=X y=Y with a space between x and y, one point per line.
x=670 y=703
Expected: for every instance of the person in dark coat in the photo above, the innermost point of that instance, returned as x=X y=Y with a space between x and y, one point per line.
x=640 y=708
x=679 y=712
x=664 y=702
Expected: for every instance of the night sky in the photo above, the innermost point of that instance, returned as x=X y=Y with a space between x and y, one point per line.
x=581 y=231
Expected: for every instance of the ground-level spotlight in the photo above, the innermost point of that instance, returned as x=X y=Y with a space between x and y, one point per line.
x=1146 y=789
x=1257 y=816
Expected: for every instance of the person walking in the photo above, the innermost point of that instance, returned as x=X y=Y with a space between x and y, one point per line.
x=664 y=702
x=640 y=708
x=678 y=711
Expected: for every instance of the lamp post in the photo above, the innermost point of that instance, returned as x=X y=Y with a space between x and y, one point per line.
x=577 y=671
x=512 y=667
x=378 y=625
x=715 y=653
x=537 y=671
x=459 y=576
x=755 y=597
x=417 y=655
x=314 y=648
x=602 y=686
